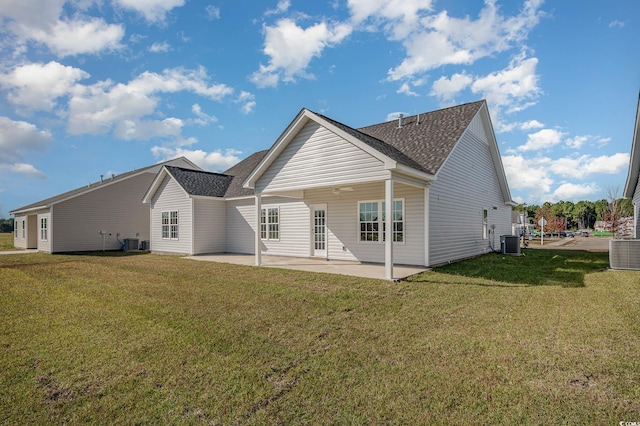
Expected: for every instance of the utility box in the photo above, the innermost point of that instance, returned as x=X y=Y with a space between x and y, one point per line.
x=510 y=244
x=144 y=245
x=130 y=244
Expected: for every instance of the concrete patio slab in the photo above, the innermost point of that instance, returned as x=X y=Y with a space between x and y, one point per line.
x=356 y=269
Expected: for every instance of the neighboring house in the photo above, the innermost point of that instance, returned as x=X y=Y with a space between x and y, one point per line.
x=520 y=224
x=632 y=186
x=99 y=215
x=424 y=190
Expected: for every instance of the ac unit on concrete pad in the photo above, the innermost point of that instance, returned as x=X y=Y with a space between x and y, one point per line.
x=510 y=244
x=624 y=254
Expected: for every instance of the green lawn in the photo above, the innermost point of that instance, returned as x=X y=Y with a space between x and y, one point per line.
x=6 y=241
x=548 y=338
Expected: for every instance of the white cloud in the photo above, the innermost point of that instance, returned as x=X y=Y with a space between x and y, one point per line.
x=616 y=24
x=203 y=118
x=38 y=86
x=212 y=12
x=405 y=88
x=398 y=17
x=532 y=124
x=525 y=173
x=148 y=129
x=447 y=88
x=444 y=40
x=23 y=169
x=577 y=142
x=154 y=11
x=74 y=37
x=281 y=7
x=159 y=47
x=16 y=138
x=607 y=164
x=291 y=48
x=394 y=115
x=573 y=191
x=543 y=139
x=95 y=109
x=217 y=160
x=19 y=136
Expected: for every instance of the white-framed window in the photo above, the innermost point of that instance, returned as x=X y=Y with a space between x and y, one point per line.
x=371 y=221
x=15 y=229
x=170 y=225
x=485 y=224
x=43 y=229
x=24 y=227
x=270 y=223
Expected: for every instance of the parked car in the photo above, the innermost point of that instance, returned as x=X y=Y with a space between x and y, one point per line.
x=571 y=234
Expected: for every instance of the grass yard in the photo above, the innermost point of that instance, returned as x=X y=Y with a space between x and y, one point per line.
x=6 y=241
x=548 y=338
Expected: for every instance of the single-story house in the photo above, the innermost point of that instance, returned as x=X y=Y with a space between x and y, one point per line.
x=632 y=186
x=93 y=217
x=423 y=190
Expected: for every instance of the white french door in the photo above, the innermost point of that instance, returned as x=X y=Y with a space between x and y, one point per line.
x=319 y=231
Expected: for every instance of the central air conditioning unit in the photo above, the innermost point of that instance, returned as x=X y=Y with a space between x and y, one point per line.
x=624 y=254
x=510 y=244
x=130 y=244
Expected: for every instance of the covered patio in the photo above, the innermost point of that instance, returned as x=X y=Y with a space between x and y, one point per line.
x=342 y=267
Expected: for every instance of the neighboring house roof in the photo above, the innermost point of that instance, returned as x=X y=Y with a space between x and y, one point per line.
x=634 y=163
x=48 y=202
x=200 y=183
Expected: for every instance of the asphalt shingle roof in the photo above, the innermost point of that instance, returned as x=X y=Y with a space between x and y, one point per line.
x=240 y=172
x=196 y=182
x=429 y=141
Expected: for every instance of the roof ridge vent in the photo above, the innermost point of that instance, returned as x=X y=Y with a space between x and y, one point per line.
x=400 y=116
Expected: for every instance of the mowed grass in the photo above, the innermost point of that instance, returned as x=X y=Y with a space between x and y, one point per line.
x=6 y=241
x=117 y=339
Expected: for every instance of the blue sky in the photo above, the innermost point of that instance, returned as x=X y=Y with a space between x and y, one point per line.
x=91 y=87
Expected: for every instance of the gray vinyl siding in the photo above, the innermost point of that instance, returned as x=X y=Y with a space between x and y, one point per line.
x=343 y=226
x=317 y=157
x=115 y=209
x=466 y=185
x=171 y=197
x=209 y=224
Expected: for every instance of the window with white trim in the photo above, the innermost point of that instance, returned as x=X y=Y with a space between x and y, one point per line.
x=170 y=225
x=371 y=220
x=43 y=229
x=23 y=229
x=270 y=223
x=15 y=229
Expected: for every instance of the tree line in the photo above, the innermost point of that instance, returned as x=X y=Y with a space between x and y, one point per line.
x=6 y=225
x=565 y=215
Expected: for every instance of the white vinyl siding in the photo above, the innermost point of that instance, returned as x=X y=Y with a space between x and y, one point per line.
x=44 y=231
x=240 y=220
x=209 y=225
x=317 y=157
x=343 y=232
x=466 y=185
x=171 y=198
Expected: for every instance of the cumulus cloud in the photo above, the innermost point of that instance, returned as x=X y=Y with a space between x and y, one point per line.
x=281 y=7
x=37 y=86
x=160 y=47
x=96 y=108
x=291 y=48
x=445 y=40
x=447 y=88
x=543 y=139
x=154 y=11
x=398 y=17
x=217 y=160
x=540 y=175
x=17 y=138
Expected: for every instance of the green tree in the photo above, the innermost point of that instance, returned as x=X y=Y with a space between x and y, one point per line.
x=6 y=225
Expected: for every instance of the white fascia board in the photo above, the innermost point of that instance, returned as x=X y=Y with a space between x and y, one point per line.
x=634 y=163
x=155 y=185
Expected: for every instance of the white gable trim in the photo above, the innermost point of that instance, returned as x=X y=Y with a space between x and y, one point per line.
x=303 y=117
x=157 y=182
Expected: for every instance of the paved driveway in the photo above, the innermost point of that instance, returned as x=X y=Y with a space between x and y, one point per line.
x=576 y=243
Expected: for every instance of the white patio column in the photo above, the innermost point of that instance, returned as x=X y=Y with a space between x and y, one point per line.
x=388 y=246
x=258 y=248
